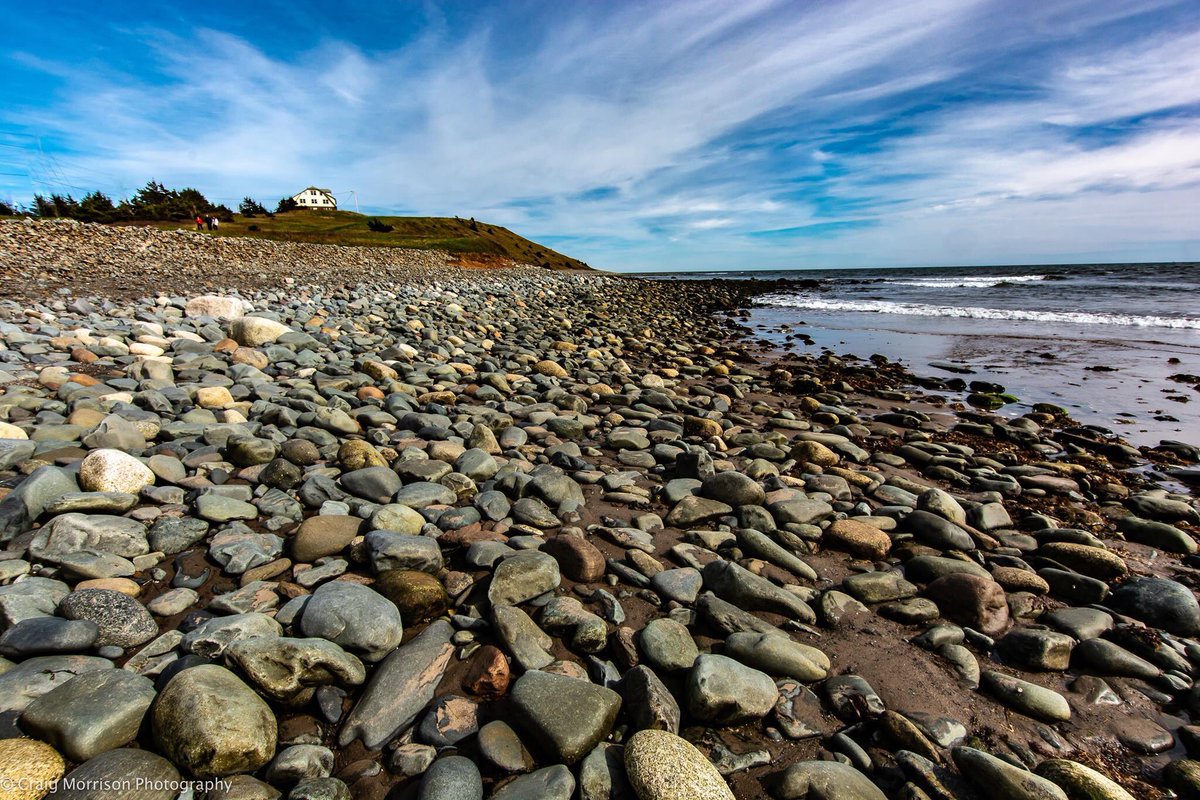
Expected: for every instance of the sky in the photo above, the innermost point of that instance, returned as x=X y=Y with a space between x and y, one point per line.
x=698 y=135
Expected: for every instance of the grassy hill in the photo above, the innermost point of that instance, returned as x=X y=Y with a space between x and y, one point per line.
x=475 y=243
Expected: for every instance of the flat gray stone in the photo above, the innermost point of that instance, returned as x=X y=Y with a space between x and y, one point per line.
x=94 y=713
x=566 y=716
x=400 y=688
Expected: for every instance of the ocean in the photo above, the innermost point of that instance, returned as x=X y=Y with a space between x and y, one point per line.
x=1101 y=340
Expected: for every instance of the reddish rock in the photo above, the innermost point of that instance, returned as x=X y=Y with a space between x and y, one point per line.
x=488 y=675
x=83 y=355
x=577 y=558
x=971 y=600
x=857 y=538
x=469 y=534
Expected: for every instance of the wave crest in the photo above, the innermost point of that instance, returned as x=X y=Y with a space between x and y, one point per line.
x=973 y=282
x=975 y=312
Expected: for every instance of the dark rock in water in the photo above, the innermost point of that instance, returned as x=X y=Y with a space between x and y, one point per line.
x=1159 y=602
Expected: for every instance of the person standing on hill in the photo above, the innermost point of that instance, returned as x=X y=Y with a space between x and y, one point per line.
x=210 y=222
x=216 y=223
x=199 y=222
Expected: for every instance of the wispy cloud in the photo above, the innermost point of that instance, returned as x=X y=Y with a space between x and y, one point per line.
x=659 y=135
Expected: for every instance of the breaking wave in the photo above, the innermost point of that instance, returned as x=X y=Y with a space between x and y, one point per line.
x=973 y=312
x=975 y=282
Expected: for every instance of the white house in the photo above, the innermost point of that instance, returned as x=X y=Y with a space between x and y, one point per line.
x=312 y=197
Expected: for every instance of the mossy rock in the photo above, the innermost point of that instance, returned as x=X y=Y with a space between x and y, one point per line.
x=419 y=595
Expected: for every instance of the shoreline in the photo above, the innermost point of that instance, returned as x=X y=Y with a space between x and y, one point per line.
x=646 y=462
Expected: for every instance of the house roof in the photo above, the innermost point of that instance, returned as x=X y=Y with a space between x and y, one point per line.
x=317 y=188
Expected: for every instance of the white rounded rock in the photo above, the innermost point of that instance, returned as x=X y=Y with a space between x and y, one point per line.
x=255 y=331
x=113 y=471
x=216 y=306
x=10 y=431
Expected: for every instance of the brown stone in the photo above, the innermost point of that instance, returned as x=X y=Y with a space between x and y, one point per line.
x=290 y=591
x=122 y=585
x=971 y=600
x=83 y=355
x=357 y=454
x=699 y=426
x=488 y=674
x=577 y=558
x=550 y=368
x=857 y=538
x=469 y=534
x=265 y=572
x=324 y=535
x=226 y=345
x=1015 y=579
x=369 y=393
x=250 y=357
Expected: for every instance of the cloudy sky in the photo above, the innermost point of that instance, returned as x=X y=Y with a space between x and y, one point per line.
x=707 y=134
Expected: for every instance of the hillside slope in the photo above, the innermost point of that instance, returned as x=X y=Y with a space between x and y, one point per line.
x=476 y=243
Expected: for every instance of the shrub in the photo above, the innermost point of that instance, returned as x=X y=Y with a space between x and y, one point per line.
x=250 y=207
x=379 y=227
x=285 y=205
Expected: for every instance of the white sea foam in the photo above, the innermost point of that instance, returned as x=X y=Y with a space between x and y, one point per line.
x=973 y=282
x=972 y=312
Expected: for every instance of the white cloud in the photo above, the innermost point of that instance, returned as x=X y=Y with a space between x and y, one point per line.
x=711 y=119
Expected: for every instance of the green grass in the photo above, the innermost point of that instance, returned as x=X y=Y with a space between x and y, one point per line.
x=476 y=243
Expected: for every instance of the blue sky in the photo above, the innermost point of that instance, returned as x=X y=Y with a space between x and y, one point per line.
x=707 y=134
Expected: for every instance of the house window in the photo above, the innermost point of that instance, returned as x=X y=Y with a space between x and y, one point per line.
x=301 y=199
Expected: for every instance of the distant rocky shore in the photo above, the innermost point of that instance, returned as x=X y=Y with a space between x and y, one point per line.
x=41 y=258
x=315 y=522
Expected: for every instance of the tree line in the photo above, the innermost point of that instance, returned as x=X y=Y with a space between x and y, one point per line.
x=153 y=202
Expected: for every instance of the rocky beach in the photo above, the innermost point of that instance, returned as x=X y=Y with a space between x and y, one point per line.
x=320 y=522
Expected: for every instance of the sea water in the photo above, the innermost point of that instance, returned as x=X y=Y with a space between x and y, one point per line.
x=1102 y=340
